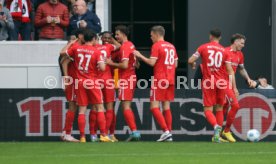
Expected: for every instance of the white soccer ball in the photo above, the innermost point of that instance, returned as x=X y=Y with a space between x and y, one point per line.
x=253 y=135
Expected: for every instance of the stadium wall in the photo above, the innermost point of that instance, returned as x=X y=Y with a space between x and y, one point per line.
x=38 y=115
x=29 y=64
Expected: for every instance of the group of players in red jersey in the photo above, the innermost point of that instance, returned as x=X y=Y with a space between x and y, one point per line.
x=219 y=65
x=85 y=59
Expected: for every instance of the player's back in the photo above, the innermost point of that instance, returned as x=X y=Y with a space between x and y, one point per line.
x=106 y=51
x=164 y=68
x=213 y=60
x=86 y=58
x=126 y=53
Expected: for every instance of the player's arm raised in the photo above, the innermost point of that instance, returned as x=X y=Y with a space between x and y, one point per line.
x=65 y=48
x=149 y=61
x=66 y=59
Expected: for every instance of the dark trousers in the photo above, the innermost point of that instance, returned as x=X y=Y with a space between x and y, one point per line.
x=24 y=29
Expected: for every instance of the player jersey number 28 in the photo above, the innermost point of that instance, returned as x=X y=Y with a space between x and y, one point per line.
x=169 y=56
x=215 y=58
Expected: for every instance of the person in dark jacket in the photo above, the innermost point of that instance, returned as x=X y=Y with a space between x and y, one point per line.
x=83 y=18
x=52 y=17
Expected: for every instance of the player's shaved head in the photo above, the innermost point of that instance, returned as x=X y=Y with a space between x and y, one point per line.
x=158 y=30
x=216 y=33
x=237 y=36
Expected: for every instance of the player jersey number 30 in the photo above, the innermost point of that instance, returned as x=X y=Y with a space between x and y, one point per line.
x=215 y=58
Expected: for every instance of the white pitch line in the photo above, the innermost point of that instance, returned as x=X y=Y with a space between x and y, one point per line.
x=138 y=154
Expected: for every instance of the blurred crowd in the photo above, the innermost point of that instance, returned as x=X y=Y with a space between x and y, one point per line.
x=46 y=19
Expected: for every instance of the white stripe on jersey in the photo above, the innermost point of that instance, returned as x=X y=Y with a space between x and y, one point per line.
x=196 y=54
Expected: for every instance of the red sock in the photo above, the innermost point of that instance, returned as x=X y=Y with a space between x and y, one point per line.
x=159 y=118
x=130 y=119
x=210 y=117
x=225 y=109
x=219 y=117
x=69 y=119
x=81 y=123
x=93 y=126
x=168 y=118
x=113 y=124
x=231 y=116
x=101 y=122
x=109 y=119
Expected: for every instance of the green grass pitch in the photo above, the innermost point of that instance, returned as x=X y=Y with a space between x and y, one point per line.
x=136 y=153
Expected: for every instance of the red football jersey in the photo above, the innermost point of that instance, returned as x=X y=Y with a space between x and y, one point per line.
x=86 y=59
x=106 y=50
x=166 y=55
x=213 y=57
x=71 y=71
x=237 y=58
x=126 y=53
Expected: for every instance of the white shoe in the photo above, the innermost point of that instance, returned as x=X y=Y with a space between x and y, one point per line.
x=70 y=138
x=63 y=134
x=166 y=135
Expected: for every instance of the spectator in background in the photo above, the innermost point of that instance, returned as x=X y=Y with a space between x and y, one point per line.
x=51 y=17
x=263 y=83
x=21 y=13
x=6 y=22
x=83 y=18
